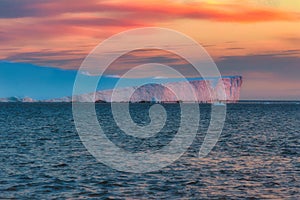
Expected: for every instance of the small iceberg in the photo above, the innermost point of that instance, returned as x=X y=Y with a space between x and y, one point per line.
x=218 y=103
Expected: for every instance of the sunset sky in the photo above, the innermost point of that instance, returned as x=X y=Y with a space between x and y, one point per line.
x=258 y=39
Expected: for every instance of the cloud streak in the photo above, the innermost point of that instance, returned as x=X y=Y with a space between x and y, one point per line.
x=164 y=9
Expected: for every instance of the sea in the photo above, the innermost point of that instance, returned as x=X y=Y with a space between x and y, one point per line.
x=257 y=155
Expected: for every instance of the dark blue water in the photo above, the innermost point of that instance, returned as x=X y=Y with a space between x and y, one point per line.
x=257 y=156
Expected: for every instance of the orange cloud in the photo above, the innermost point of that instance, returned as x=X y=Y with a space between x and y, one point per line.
x=215 y=12
x=164 y=9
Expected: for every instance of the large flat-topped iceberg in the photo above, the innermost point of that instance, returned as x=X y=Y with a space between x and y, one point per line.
x=204 y=91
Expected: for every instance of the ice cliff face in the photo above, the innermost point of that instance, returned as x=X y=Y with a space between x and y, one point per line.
x=205 y=91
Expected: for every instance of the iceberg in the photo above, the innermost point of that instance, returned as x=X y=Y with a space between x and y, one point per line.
x=209 y=90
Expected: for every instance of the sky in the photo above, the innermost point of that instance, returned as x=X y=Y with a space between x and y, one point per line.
x=258 y=39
